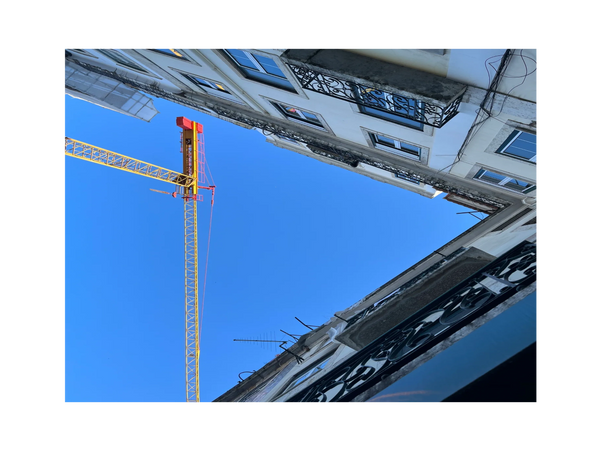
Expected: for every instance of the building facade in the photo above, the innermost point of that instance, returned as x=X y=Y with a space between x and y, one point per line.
x=460 y=122
x=437 y=332
x=457 y=122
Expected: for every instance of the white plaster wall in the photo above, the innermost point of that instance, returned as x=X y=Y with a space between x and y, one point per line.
x=481 y=152
x=450 y=138
x=478 y=67
x=469 y=66
x=497 y=243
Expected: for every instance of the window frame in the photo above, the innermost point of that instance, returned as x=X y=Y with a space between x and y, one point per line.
x=258 y=67
x=172 y=54
x=281 y=108
x=223 y=93
x=397 y=149
x=512 y=138
x=83 y=52
x=407 y=179
x=506 y=179
x=126 y=62
x=320 y=363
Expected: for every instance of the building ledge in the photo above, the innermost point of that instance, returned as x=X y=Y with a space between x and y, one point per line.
x=408 y=302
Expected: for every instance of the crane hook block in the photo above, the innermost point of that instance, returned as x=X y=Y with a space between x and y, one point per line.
x=186 y=124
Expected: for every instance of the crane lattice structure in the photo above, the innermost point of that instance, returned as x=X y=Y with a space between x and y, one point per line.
x=188 y=182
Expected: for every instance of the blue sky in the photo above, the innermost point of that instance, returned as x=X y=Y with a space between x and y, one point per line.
x=291 y=237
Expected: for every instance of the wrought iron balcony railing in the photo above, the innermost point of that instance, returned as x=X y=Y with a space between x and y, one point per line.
x=370 y=97
x=458 y=307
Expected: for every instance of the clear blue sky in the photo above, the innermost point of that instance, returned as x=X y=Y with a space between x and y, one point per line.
x=291 y=237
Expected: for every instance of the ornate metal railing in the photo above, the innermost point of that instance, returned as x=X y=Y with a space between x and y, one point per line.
x=370 y=97
x=450 y=312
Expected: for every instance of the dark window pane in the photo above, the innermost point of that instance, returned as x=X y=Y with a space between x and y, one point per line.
x=489 y=176
x=170 y=52
x=241 y=58
x=385 y=141
x=292 y=112
x=517 y=185
x=310 y=116
x=269 y=65
x=408 y=179
x=523 y=146
x=270 y=80
x=202 y=82
x=409 y=148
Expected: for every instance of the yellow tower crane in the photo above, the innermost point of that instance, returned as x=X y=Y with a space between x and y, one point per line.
x=188 y=183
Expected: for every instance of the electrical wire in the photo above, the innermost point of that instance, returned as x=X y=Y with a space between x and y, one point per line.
x=493 y=84
x=519 y=76
x=523 y=57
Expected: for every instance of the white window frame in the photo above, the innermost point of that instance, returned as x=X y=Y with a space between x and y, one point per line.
x=397 y=149
x=133 y=65
x=260 y=69
x=280 y=107
x=503 y=149
x=83 y=52
x=305 y=374
x=224 y=93
x=174 y=54
x=369 y=141
x=504 y=181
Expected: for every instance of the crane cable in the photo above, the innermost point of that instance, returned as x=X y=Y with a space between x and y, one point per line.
x=212 y=202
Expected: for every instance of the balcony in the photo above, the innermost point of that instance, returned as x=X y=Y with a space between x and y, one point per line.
x=507 y=277
x=392 y=107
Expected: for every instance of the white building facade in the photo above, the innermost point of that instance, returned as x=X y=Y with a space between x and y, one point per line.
x=460 y=122
x=430 y=121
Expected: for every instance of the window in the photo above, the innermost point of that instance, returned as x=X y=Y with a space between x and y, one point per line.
x=211 y=87
x=206 y=83
x=302 y=376
x=287 y=139
x=260 y=68
x=80 y=49
x=170 y=52
x=121 y=59
x=396 y=147
x=393 y=103
x=502 y=180
x=520 y=145
x=298 y=115
x=407 y=178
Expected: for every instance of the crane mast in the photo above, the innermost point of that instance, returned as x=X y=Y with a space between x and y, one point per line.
x=188 y=182
x=190 y=147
